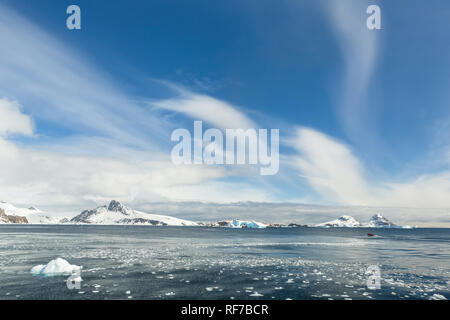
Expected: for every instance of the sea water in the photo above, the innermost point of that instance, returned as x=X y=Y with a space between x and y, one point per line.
x=144 y=262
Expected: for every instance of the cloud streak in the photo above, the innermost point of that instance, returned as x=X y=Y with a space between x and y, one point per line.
x=216 y=112
x=359 y=47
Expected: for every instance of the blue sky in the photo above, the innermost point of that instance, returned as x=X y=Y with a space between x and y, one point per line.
x=363 y=114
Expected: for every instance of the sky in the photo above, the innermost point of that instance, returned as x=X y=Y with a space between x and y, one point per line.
x=86 y=115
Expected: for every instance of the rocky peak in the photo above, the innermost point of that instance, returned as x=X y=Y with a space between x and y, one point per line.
x=118 y=207
x=378 y=220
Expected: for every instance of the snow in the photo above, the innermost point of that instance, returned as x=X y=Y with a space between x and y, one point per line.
x=117 y=213
x=376 y=221
x=341 y=222
x=33 y=215
x=55 y=267
x=236 y=223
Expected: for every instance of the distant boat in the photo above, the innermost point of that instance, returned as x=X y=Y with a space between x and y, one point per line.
x=370 y=234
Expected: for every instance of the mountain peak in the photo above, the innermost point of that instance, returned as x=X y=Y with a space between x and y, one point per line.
x=116 y=206
x=117 y=213
x=345 y=218
x=378 y=220
x=343 y=221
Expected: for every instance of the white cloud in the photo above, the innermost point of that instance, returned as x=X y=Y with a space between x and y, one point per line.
x=202 y=107
x=12 y=120
x=217 y=192
x=331 y=168
x=47 y=178
x=70 y=183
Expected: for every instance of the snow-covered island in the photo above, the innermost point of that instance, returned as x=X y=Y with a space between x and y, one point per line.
x=117 y=213
x=29 y=215
x=341 y=222
x=376 y=221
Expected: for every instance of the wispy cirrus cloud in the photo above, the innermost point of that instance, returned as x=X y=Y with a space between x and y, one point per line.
x=359 y=48
x=57 y=84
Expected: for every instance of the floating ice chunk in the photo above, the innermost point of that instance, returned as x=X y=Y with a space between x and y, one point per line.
x=55 y=267
x=437 y=297
x=290 y=281
x=256 y=294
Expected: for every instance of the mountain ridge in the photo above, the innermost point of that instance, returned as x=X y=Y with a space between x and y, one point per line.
x=117 y=213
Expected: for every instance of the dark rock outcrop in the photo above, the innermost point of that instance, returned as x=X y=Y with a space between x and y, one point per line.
x=11 y=219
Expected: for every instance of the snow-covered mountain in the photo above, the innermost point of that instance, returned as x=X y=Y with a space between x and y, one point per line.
x=341 y=222
x=378 y=221
x=117 y=213
x=32 y=215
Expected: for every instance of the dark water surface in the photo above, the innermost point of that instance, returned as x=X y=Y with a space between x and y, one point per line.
x=142 y=262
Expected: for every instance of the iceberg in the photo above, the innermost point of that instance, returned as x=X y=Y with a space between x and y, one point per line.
x=57 y=266
x=236 y=223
